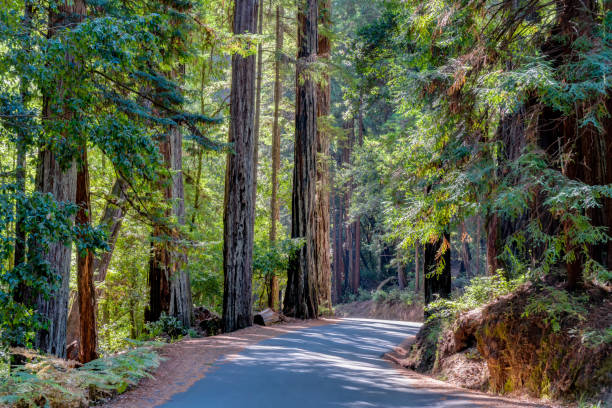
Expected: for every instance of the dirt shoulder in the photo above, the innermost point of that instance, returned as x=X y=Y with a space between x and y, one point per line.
x=189 y=360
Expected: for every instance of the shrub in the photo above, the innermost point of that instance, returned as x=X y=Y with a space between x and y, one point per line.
x=481 y=290
x=364 y=295
x=168 y=325
x=380 y=296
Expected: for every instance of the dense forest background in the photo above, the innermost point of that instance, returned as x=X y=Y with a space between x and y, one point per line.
x=440 y=148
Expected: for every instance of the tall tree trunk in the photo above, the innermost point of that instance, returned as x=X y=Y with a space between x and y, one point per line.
x=338 y=262
x=260 y=15
x=180 y=285
x=278 y=94
x=437 y=255
x=238 y=217
x=301 y=298
x=86 y=296
x=111 y=221
x=58 y=179
x=322 y=233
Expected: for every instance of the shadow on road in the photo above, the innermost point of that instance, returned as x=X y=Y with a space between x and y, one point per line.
x=337 y=365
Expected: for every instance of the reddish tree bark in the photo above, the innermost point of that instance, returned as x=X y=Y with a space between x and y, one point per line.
x=86 y=295
x=322 y=225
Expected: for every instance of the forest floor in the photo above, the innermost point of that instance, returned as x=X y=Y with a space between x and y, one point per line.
x=317 y=363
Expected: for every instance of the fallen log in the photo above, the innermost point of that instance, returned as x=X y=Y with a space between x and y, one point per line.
x=267 y=318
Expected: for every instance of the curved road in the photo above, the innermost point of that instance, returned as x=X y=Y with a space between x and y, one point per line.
x=337 y=365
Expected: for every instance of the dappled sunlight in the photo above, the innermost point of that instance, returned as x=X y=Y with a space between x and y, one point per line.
x=339 y=366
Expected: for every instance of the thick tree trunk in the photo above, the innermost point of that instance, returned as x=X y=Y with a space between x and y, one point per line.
x=278 y=94
x=437 y=254
x=86 y=296
x=301 y=298
x=322 y=233
x=170 y=290
x=58 y=179
x=180 y=285
x=238 y=217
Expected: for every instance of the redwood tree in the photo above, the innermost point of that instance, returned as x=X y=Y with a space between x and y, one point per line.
x=301 y=298
x=86 y=296
x=58 y=177
x=239 y=210
x=322 y=233
x=274 y=205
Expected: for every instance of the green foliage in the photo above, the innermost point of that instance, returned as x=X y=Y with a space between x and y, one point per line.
x=272 y=258
x=556 y=306
x=380 y=296
x=166 y=325
x=480 y=291
x=46 y=381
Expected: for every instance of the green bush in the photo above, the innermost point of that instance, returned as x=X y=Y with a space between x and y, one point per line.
x=364 y=295
x=168 y=325
x=481 y=290
x=380 y=296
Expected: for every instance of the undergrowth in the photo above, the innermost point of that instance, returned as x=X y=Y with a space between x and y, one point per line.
x=51 y=382
x=480 y=291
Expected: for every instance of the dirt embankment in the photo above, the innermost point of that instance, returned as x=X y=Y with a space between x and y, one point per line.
x=538 y=340
x=385 y=310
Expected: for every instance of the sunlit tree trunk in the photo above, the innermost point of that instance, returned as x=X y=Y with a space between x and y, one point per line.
x=260 y=15
x=322 y=233
x=301 y=298
x=239 y=208
x=278 y=94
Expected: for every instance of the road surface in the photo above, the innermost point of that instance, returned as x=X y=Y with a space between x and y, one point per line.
x=337 y=365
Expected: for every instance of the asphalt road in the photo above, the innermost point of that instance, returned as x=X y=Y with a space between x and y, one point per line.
x=337 y=365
